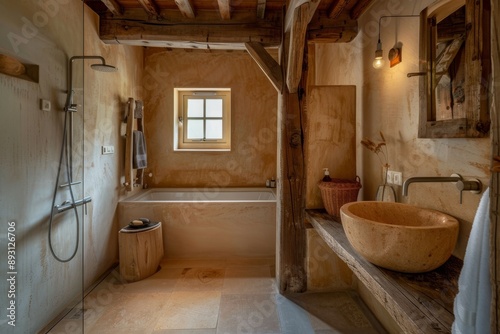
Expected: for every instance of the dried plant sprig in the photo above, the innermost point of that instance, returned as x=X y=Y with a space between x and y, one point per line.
x=380 y=149
x=382 y=136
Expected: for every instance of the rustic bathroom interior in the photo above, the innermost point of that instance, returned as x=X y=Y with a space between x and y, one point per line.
x=125 y=208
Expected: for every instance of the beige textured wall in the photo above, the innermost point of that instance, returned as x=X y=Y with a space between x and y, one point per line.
x=252 y=159
x=106 y=96
x=387 y=101
x=48 y=33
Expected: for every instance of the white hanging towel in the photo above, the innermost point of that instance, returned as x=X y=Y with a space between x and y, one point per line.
x=472 y=303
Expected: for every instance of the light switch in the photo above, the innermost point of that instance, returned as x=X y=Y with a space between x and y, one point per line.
x=45 y=105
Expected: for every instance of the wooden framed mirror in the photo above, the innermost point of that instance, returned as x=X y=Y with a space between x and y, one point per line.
x=455 y=70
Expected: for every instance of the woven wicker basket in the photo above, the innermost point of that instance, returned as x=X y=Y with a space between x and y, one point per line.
x=337 y=193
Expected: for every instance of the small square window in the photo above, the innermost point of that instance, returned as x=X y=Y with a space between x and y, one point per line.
x=202 y=119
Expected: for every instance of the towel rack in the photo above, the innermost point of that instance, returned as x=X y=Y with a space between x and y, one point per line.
x=135 y=113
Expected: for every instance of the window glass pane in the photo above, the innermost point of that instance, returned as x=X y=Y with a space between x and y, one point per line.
x=214 y=107
x=214 y=129
x=195 y=129
x=194 y=107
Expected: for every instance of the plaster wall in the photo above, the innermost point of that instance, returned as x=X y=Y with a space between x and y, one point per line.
x=387 y=101
x=252 y=158
x=48 y=33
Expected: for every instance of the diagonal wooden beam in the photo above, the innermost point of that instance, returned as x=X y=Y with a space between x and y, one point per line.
x=261 y=9
x=447 y=56
x=359 y=8
x=267 y=64
x=224 y=9
x=113 y=6
x=337 y=8
x=186 y=8
x=150 y=7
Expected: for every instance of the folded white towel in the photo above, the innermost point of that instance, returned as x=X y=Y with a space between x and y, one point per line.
x=472 y=303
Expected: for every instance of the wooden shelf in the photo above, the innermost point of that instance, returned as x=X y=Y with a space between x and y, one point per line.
x=419 y=303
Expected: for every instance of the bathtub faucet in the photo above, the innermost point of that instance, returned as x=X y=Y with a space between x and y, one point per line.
x=473 y=185
x=271 y=183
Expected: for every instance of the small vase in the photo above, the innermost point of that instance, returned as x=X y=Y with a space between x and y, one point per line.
x=385 y=193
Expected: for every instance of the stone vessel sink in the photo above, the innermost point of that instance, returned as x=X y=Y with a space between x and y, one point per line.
x=398 y=236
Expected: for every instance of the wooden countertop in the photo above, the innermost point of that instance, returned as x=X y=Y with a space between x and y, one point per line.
x=419 y=303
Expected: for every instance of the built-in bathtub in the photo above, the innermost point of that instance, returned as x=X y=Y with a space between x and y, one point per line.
x=208 y=223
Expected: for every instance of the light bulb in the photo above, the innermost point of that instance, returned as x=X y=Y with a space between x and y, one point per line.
x=378 y=62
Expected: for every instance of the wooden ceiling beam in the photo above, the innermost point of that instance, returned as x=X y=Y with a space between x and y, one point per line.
x=186 y=8
x=225 y=9
x=114 y=31
x=267 y=64
x=322 y=29
x=174 y=16
x=337 y=7
x=150 y=7
x=359 y=8
x=113 y=6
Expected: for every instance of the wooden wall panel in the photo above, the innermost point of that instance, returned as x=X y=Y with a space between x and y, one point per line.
x=330 y=137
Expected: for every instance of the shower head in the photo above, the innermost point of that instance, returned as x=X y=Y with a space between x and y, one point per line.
x=103 y=67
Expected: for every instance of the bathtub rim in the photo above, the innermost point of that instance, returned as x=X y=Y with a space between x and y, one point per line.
x=137 y=197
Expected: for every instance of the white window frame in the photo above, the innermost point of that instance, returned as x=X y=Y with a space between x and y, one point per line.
x=181 y=142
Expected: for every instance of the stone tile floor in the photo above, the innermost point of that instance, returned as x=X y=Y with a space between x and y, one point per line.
x=214 y=297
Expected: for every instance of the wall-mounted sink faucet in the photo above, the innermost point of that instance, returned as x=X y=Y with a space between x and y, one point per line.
x=439 y=179
x=473 y=185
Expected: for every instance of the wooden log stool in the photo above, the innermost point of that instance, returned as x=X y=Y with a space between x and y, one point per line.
x=141 y=250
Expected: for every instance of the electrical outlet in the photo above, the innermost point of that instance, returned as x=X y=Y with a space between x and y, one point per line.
x=397 y=178
x=390 y=177
x=107 y=150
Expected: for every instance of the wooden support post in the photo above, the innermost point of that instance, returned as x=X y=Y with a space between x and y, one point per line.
x=292 y=233
x=293 y=277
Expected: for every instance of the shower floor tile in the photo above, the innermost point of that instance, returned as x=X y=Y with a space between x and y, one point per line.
x=248 y=314
x=190 y=310
x=200 y=279
x=214 y=297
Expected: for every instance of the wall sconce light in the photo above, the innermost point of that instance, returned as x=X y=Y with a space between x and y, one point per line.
x=394 y=54
x=378 y=62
